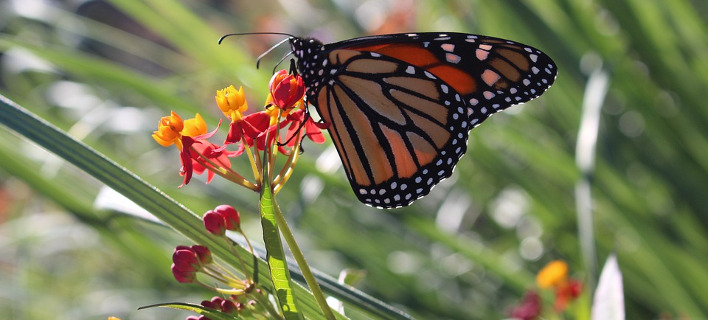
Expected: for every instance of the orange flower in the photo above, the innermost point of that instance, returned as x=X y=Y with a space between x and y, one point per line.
x=552 y=275
x=286 y=90
x=555 y=276
x=168 y=131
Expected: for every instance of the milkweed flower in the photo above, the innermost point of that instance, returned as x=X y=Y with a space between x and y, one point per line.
x=529 y=309
x=555 y=276
x=286 y=89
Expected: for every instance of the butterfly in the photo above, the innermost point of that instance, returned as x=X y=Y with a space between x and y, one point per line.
x=400 y=106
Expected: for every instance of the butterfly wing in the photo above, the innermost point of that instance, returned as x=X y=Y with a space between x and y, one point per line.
x=398 y=129
x=490 y=73
x=400 y=106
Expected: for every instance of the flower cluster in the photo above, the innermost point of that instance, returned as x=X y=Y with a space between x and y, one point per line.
x=553 y=276
x=253 y=133
x=278 y=129
x=241 y=296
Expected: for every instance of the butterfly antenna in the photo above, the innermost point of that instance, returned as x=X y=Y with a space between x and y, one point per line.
x=258 y=61
x=281 y=61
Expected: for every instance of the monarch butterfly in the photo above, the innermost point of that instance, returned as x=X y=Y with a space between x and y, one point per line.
x=400 y=106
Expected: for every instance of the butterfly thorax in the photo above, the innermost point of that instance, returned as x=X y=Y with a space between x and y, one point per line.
x=310 y=62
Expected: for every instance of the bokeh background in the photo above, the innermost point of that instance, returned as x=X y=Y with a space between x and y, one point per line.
x=106 y=71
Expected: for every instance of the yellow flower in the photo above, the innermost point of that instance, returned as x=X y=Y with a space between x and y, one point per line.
x=194 y=127
x=232 y=102
x=168 y=130
x=552 y=275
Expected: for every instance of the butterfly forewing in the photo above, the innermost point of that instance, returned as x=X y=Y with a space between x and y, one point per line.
x=400 y=106
x=490 y=73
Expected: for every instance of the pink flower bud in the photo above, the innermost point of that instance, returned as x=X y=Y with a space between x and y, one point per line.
x=203 y=254
x=214 y=223
x=232 y=217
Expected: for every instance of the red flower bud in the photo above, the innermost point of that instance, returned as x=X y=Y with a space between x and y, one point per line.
x=203 y=254
x=214 y=223
x=232 y=217
x=183 y=276
x=286 y=89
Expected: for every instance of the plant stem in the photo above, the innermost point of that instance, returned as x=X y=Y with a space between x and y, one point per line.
x=300 y=259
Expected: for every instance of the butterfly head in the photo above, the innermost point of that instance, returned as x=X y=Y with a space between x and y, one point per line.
x=310 y=58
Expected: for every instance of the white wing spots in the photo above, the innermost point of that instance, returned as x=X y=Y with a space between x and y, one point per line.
x=457 y=97
x=527 y=49
x=452 y=58
x=474 y=102
x=410 y=70
x=548 y=71
x=481 y=54
x=484 y=110
x=394 y=185
x=490 y=77
x=375 y=55
x=507 y=99
x=449 y=47
x=534 y=70
x=526 y=82
x=496 y=105
x=444 y=88
x=485 y=47
x=412 y=35
x=533 y=57
x=429 y=75
x=320 y=72
x=513 y=90
x=426 y=44
x=488 y=94
x=363 y=191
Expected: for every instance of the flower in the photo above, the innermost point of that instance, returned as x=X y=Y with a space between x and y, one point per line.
x=168 y=131
x=553 y=274
x=313 y=130
x=529 y=309
x=286 y=89
x=231 y=102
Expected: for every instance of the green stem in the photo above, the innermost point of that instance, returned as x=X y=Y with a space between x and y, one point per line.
x=300 y=259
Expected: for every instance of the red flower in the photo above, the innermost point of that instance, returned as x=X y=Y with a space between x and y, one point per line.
x=286 y=89
x=529 y=309
x=313 y=130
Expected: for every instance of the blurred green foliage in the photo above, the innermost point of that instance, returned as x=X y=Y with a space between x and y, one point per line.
x=105 y=71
